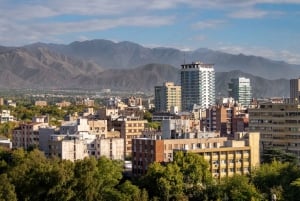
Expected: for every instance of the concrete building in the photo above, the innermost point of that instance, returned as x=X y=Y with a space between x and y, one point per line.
x=11 y=103
x=27 y=135
x=45 y=134
x=112 y=148
x=295 y=90
x=6 y=117
x=167 y=97
x=105 y=113
x=240 y=89
x=278 y=124
x=5 y=142
x=226 y=157
x=68 y=147
x=98 y=127
x=133 y=101
x=225 y=119
x=40 y=103
x=179 y=128
x=197 y=85
x=73 y=142
x=63 y=104
x=129 y=127
x=86 y=101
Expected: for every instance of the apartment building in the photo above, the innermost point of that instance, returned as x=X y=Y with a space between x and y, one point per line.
x=278 y=124
x=295 y=90
x=179 y=128
x=197 y=85
x=167 y=98
x=226 y=157
x=105 y=113
x=133 y=101
x=225 y=119
x=98 y=127
x=27 y=135
x=68 y=147
x=81 y=138
x=63 y=104
x=5 y=116
x=41 y=103
x=112 y=148
x=86 y=101
x=130 y=128
x=5 y=142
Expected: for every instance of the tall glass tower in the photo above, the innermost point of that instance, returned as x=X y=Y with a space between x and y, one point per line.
x=197 y=85
x=240 y=90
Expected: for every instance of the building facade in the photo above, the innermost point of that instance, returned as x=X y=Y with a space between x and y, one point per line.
x=68 y=147
x=225 y=119
x=5 y=116
x=40 y=103
x=112 y=148
x=27 y=135
x=240 y=89
x=295 y=90
x=226 y=157
x=278 y=124
x=167 y=97
x=197 y=85
x=129 y=129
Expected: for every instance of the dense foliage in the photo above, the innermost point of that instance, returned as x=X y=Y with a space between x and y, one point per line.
x=31 y=176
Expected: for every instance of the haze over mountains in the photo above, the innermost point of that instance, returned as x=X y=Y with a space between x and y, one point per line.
x=99 y=64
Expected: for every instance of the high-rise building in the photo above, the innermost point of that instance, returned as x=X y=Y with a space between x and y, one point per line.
x=197 y=85
x=295 y=90
x=240 y=90
x=167 y=97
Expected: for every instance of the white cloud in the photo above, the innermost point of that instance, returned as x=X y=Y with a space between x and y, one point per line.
x=248 y=13
x=19 y=33
x=103 y=24
x=83 y=38
x=208 y=24
x=283 y=55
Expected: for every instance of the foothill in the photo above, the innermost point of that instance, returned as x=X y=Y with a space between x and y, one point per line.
x=180 y=143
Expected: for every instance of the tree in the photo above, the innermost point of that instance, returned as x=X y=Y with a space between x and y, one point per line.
x=164 y=182
x=85 y=176
x=131 y=192
x=7 y=190
x=238 y=188
x=269 y=155
x=193 y=167
x=276 y=177
x=6 y=129
x=148 y=116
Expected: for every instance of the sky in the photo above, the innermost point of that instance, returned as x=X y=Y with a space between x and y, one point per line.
x=268 y=28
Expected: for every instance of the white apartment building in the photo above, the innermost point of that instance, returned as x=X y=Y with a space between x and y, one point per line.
x=197 y=85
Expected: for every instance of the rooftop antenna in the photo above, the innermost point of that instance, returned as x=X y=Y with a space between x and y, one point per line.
x=184 y=57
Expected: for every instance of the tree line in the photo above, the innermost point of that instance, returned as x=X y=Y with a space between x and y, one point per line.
x=29 y=175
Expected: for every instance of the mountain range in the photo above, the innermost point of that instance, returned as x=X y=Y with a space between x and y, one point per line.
x=99 y=64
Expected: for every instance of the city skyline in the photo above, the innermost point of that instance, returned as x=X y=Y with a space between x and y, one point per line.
x=267 y=28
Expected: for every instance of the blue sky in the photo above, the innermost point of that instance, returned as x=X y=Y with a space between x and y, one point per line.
x=268 y=28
